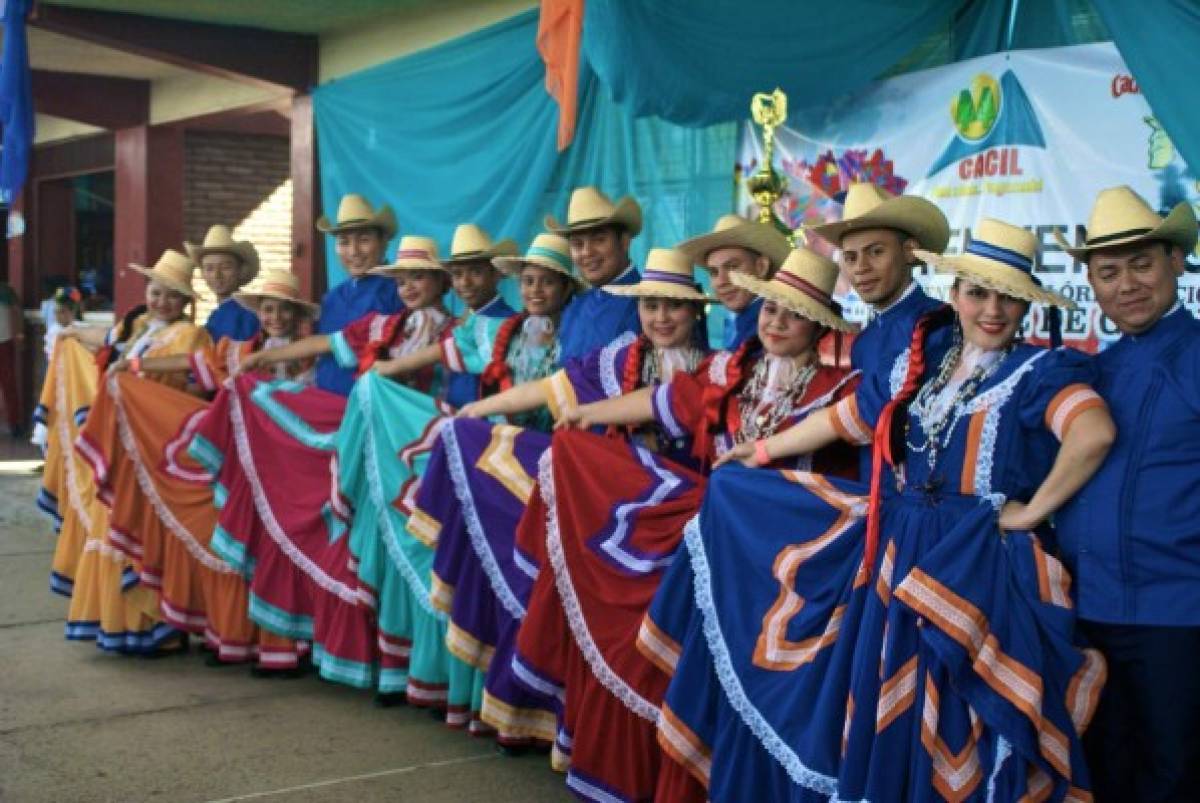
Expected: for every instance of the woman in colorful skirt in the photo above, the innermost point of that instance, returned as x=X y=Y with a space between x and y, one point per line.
x=286 y=524
x=897 y=643
x=523 y=349
x=170 y=524
x=610 y=517
x=110 y=602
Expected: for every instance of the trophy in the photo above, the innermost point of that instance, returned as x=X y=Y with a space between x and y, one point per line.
x=766 y=185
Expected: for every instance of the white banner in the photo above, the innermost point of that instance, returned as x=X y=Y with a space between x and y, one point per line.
x=1028 y=137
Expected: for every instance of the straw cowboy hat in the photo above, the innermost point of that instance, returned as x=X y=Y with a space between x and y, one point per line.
x=219 y=240
x=173 y=271
x=804 y=284
x=355 y=212
x=472 y=244
x=548 y=251
x=734 y=231
x=590 y=209
x=869 y=206
x=668 y=274
x=414 y=253
x=999 y=257
x=275 y=283
x=1121 y=217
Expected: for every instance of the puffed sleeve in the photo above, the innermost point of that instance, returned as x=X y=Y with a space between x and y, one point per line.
x=352 y=340
x=1057 y=390
x=467 y=348
x=592 y=377
x=854 y=415
x=679 y=404
x=208 y=364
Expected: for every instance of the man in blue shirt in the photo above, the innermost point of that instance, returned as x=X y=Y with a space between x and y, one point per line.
x=362 y=233
x=599 y=233
x=475 y=281
x=878 y=236
x=1131 y=536
x=226 y=265
x=737 y=245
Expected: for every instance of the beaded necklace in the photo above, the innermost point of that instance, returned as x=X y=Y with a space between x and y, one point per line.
x=760 y=416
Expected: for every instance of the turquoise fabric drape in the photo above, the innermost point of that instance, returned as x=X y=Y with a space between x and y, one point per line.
x=465 y=132
x=697 y=62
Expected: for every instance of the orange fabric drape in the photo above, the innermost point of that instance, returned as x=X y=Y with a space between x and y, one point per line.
x=559 y=37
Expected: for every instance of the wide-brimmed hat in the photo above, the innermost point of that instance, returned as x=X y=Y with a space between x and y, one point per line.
x=668 y=274
x=1122 y=217
x=549 y=251
x=999 y=257
x=173 y=270
x=590 y=209
x=275 y=283
x=219 y=240
x=473 y=244
x=804 y=284
x=869 y=206
x=356 y=212
x=415 y=253
x=734 y=231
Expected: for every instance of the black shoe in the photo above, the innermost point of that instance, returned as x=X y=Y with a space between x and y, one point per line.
x=178 y=648
x=267 y=673
x=511 y=750
x=390 y=699
x=213 y=659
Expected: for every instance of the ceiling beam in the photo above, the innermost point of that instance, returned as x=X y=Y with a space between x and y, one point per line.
x=234 y=52
x=97 y=100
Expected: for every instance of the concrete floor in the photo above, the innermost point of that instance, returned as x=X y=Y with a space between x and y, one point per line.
x=80 y=725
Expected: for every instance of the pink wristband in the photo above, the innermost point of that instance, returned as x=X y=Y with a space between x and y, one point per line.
x=760 y=452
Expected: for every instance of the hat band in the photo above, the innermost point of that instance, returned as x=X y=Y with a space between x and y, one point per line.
x=468 y=254
x=413 y=253
x=555 y=256
x=804 y=286
x=281 y=289
x=1014 y=259
x=669 y=278
x=1120 y=235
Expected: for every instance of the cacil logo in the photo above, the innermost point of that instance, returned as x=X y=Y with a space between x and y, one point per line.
x=991 y=118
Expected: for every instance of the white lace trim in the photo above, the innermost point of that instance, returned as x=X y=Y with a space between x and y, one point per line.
x=993 y=400
x=572 y=610
x=267 y=515
x=483 y=550
x=66 y=442
x=727 y=676
x=899 y=373
x=483 y=344
x=609 y=379
x=391 y=540
x=179 y=444
x=197 y=550
x=718 y=368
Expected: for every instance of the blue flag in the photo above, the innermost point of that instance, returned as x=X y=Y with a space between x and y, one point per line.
x=16 y=100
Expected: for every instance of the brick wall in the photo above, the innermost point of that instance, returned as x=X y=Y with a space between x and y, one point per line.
x=243 y=181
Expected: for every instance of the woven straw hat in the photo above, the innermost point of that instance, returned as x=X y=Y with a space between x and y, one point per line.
x=668 y=274
x=219 y=240
x=999 y=257
x=547 y=251
x=589 y=209
x=804 y=284
x=415 y=253
x=275 y=283
x=1122 y=217
x=355 y=212
x=472 y=244
x=869 y=206
x=173 y=270
x=734 y=231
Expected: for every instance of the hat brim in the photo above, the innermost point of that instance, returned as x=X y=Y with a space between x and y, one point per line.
x=994 y=276
x=510 y=266
x=794 y=300
x=384 y=220
x=252 y=301
x=752 y=236
x=1178 y=228
x=914 y=216
x=165 y=281
x=653 y=289
x=245 y=251
x=504 y=248
x=406 y=265
x=627 y=214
